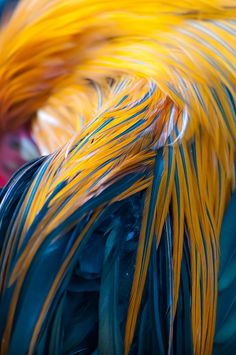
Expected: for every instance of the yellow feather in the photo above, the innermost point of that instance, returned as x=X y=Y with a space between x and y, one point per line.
x=50 y=53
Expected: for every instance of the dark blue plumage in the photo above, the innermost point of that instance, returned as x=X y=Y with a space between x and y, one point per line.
x=89 y=311
x=225 y=335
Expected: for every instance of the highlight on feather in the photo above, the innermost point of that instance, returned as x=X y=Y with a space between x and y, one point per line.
x=136 y=105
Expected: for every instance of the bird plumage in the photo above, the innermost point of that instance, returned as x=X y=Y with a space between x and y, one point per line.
x=115 y=235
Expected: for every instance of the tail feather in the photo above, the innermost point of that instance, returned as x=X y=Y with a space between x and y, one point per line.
x=163 y=127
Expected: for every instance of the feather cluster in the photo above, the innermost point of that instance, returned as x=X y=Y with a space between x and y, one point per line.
x=114 y=235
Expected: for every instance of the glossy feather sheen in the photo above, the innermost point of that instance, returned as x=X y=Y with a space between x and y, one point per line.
x=128 y=98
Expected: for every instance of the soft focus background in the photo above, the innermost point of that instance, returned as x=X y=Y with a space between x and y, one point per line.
x=16 y=147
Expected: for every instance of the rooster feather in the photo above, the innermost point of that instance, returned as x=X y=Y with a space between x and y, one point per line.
x=113 y=241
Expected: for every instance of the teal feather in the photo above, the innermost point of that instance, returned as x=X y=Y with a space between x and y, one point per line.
x=225 y=334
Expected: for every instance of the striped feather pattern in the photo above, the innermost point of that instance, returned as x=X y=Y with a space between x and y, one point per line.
x=142 y=99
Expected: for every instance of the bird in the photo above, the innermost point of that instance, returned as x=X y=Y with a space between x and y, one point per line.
x=120 y=237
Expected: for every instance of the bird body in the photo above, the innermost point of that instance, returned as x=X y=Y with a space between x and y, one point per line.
x=113 y=241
